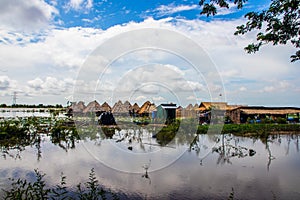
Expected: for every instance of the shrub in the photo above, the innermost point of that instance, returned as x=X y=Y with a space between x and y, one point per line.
x=281 y=120
x=23 y=189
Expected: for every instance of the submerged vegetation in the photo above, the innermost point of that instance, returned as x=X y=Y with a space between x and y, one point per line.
x=18 y=133
x=251 y=130
x=38 y=189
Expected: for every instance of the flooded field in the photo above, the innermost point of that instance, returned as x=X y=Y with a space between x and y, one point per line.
x=136 y=162
x=27 y=112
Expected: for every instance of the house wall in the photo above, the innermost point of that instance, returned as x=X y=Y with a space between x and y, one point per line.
x=166 y=115
x=234 y=115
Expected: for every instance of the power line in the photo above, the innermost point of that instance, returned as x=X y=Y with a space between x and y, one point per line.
x=14 y=98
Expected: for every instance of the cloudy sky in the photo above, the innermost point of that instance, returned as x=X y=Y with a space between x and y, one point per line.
x=53 y=51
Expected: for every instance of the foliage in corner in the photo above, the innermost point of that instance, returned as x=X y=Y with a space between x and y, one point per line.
x=279 y=24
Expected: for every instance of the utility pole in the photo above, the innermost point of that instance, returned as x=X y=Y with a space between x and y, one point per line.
x=14 y=98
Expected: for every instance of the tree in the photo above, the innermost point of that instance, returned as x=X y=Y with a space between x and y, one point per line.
x=279 y=24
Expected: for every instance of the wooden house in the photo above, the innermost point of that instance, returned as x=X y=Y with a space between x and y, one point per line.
x=179 y=112
x=166 y=113
x=214 y=110
x=256 y=113
x=146 y=109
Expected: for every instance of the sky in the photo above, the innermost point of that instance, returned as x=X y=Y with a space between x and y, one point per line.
x=52 y=52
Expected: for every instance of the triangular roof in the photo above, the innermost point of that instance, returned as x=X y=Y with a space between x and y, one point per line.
x=135 y=107
x=189 y=107
x=105 y=107
x=127 y=105
x=204 y=106
x=179 y=108
x=119 y=107
x=147 y=107
x=78 y=107
x=152 y=108
x=92 y=107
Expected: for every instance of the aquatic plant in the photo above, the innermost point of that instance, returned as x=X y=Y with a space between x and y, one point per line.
x=23 y=189
x=93 y=190
x=17 y=133
x=167 y=133
x=254 y=130
x=231 y=195
x=64 y=131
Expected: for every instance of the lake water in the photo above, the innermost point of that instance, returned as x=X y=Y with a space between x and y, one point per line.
x=25 y=112
x=134 y=164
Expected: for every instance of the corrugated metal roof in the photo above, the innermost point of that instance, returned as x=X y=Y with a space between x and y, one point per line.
x=278 y=111
x=169 y=107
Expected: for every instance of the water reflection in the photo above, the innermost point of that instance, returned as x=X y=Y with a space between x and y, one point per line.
x=213 y=167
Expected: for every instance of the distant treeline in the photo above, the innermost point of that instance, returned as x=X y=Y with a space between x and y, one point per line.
x=30 y=106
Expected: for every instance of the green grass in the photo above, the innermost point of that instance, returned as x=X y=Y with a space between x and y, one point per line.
x=252 y=129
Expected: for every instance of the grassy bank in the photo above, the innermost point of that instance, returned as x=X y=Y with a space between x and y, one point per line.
x=251 y=129
x=63 y=128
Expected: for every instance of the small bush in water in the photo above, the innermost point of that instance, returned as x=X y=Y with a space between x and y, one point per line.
x=22 y=189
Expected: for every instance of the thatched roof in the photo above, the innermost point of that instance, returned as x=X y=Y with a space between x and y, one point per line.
x=204 y=106
x=196 y=106
x=189 y=107
x=105 y=107
x=147 y=107
x=92 y=107
x=78 y=107
x=268 y=110
x=152 y=108
x=179 y=108
x=135 y=107
x=116 y=108
x=119 y=107
x=127 y=105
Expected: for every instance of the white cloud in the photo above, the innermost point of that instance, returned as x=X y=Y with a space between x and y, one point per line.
x=59 y=53
x=243 y=89
x=89 y=4
x=278 y=86
x=60 y=49
x=49 y=86
x=159 y=98
x=194 y=85
x=7 y=87
x=170 y=9
x=269 y=89
x=225 y=11
x=27 y=15
x=36 y=83
x=4 y=82
x=140 y=98
x=193 y=98
x=80 y=4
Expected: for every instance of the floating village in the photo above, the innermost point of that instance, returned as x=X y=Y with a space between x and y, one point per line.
x=168 y=112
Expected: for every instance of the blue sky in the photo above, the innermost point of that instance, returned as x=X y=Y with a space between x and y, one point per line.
x=104 y=14
x=45 y=46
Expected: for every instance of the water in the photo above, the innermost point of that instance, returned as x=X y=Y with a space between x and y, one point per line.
x=25 y=112
x=213 y=167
